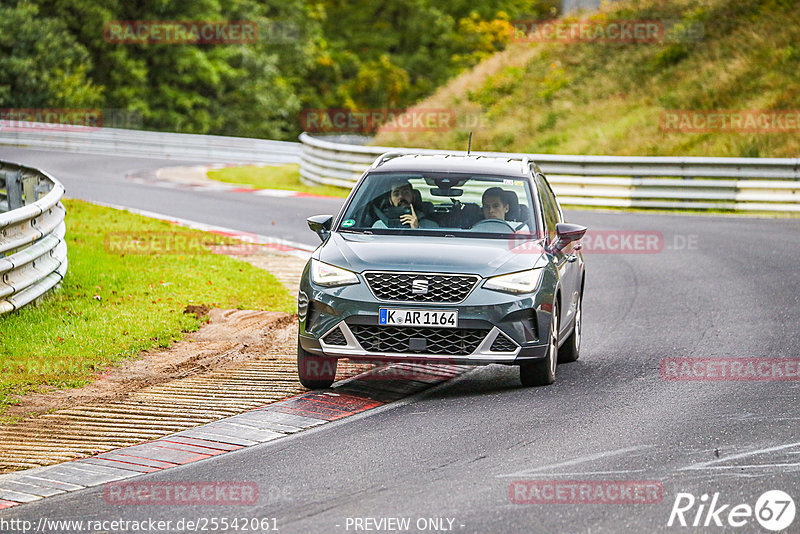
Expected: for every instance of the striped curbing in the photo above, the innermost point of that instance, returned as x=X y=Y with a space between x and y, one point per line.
x=349 y=397
x=193 y=178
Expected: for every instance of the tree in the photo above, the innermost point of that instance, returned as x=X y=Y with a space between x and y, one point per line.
x=41 y=64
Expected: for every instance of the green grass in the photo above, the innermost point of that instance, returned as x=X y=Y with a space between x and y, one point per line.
x=113 y=305
x=286 y=177
x=608 y=98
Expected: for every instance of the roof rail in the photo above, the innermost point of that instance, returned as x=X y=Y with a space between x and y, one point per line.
x=526 y=160
x=383 y=158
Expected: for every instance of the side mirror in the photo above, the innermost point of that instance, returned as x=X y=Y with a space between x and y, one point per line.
x=566 y=233
x=321 y=225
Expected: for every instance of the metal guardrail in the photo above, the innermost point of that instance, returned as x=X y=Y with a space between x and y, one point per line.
x=33 y=253
x=137 y=143
x=751 y=184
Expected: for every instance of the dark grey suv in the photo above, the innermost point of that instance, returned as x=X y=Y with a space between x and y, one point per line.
x=447 y=259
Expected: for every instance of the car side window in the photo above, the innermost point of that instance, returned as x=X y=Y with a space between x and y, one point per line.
x=549 y=213
x=552 y=197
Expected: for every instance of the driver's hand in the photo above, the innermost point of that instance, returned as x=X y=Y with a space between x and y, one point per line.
x=410 y=218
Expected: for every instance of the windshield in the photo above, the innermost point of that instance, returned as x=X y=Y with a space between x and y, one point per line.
x=441 y=203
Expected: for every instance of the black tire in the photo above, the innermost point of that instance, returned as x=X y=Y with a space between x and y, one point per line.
x=543 y=372
x=315 y=372
x=571 y=349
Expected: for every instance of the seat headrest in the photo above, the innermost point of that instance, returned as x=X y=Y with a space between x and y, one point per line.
x=513 y=205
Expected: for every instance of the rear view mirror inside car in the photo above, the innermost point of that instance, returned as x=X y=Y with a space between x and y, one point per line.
x=441 y=192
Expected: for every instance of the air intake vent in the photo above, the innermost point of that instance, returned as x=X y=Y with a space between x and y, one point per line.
x=335 y=337
x=503 y=344
x=404 y=340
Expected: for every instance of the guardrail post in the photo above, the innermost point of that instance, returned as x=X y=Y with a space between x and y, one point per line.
x=3 y=195
x=14 y=190
x=29 y=189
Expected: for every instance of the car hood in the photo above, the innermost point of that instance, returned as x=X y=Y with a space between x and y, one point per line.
x=485 y=257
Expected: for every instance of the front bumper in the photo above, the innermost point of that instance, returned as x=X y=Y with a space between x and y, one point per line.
x=519 y=324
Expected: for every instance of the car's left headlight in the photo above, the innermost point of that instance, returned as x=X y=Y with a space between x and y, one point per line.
x=326 y=275
x=517 y=283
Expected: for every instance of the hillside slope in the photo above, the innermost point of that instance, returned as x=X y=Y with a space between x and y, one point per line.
x=611 y=98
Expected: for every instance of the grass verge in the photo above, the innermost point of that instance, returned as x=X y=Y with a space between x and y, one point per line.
x=285 y=177
x=112 y=305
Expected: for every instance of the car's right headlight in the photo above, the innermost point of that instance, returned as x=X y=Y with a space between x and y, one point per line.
x=516 y=283
x=327 y=275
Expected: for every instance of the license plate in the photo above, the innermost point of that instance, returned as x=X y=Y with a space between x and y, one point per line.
x=404 y=317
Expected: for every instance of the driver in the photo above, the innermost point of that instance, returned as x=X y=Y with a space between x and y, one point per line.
x=402 y=195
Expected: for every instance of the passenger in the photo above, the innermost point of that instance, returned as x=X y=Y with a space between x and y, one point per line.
x=402 y=196
x=495 y=205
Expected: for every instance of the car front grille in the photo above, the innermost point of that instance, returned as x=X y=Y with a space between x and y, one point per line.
x=413 y=340
x=397 y=287
x=503 y=344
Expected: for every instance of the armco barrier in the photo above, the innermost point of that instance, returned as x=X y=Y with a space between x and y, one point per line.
x=751 y=184
x=136 y=143
x=33 y=253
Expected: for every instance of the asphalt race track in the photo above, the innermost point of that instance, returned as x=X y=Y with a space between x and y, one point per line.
x=716 y=286
x=102 y=179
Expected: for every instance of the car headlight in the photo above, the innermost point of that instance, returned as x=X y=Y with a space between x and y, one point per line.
x=329 y=276
x=520 y=282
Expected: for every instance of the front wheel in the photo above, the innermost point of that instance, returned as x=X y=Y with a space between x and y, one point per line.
x=543 y=372
x=571 y=349
x=315 y=372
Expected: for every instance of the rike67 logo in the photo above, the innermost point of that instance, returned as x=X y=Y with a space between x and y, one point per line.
x=774 y=510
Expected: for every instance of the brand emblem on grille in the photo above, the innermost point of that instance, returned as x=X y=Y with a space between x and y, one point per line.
x=419 y=286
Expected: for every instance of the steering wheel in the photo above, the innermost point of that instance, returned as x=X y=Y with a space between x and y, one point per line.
x=492 y=225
